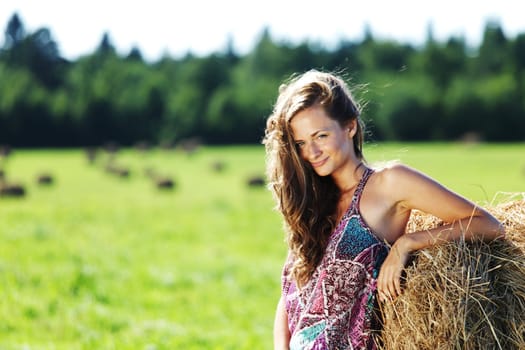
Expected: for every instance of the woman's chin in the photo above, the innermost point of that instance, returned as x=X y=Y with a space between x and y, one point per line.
x=322 y=172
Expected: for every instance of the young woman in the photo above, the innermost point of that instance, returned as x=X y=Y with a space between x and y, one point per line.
x=345 y=221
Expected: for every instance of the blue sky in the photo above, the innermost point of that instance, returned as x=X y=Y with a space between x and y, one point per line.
x=204 y=26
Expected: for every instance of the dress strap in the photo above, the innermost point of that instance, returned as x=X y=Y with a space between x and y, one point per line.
x=354 y=204
x=360 y=187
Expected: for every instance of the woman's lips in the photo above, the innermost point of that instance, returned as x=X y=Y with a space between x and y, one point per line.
x=319 y=163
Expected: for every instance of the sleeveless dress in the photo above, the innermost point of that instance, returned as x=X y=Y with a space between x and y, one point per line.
x=334 y=310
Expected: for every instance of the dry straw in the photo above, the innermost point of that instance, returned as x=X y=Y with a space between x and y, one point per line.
x=462 y=295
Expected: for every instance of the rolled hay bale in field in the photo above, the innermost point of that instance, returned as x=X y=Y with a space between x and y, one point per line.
x=218 y=166
x=118 y=170
x=462 y=295
x=164 y=183
x=190 y=145
x=45 y=179
x=12 y=190
x=91 y=154
x=8 y=188
x=256 y=181
x=5 y=151
x=143 y=146
x=111 y=147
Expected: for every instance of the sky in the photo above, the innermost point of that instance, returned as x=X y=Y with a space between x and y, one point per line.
x=203 y=27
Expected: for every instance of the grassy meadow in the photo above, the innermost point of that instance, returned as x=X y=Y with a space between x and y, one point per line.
x=96 y=261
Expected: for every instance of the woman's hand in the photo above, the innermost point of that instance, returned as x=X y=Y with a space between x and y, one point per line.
x=389 y=279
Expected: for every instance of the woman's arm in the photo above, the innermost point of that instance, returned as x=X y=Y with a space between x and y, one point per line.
x=410 y=190
x=281 y=333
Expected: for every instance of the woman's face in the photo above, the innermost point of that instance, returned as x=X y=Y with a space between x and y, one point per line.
x=322 y=142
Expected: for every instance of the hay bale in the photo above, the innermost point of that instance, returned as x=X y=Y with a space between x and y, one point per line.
x=91 y=154
x=164 y=183
x=12 y=190
x=256 y=181
x=44 y=179
x=118 y=170
x=142 y=146
x=122 y=172
x=5 y=151
x=190 y=145
x=218 y=166
x=167 y=145
x=462 y=295
x=112 y=147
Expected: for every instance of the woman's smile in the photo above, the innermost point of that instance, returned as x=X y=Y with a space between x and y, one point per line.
x=319 y=163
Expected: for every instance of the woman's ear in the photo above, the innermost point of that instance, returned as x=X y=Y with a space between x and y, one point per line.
x=352 y=128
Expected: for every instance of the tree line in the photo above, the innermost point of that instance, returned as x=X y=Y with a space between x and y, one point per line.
x=440 y=90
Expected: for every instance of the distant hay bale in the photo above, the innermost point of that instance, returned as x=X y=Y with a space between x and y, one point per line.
x=12 y=190
x=5 y=151
x=91 y=154
x=256 y=181
x=122 y=172
x=462 y=295
x=45 y=179
x=117 y=170
x=190 y=145
x=164 y=183
x=167 y=145
x=471 y=137
x=143 y=146
x=218 y=166
x=111 y=147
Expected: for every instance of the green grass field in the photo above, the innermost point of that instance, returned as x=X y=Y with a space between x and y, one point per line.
x=100 y=262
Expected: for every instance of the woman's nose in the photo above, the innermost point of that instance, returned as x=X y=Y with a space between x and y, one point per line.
x=313 y=150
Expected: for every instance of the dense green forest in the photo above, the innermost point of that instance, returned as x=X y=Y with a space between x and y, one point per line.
x=436 y=91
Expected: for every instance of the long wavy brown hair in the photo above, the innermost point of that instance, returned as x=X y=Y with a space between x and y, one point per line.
x=307 y=201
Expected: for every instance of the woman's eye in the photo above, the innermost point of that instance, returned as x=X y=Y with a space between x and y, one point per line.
x=299 y=144
x=322 y=136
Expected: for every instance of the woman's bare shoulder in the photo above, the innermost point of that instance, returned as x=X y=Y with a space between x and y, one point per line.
x=392 y=171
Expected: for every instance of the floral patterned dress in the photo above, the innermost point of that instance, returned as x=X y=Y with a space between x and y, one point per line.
x=334 y=310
